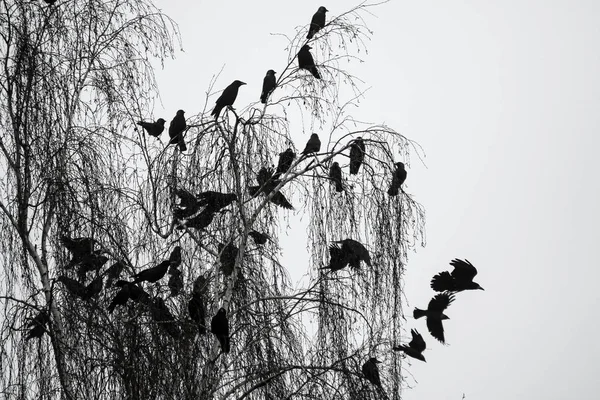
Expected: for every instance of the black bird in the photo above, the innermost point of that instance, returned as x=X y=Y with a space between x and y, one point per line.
x=114 y=272
x=74 y=287
x=398 y=178
x=175 y=257
x=228 y=256
x=269 y=84
x=215 y=201
x=435 y=314
x=306 y=61
x=460 y=279
x=227 y=97
x=176 y=129
x=198 y=312
x=175 y=282
x=357 y=155
x=136 y=293
x=200 y=221
x=188 y=204
x=266 y=184
x=50 y=2
x=371 y=372
x=161 y=314
x=355 y=252
x=335 y=174
x=38 y=325
x=153 y=128
x=95 y=287
x=415 y=347
x=317 y=23
x=280 y=200
x=337 y=258
x=91 y=262
x=200 y=285
x=78 y=247
x=120 y=298
x=313 y=145
x=258 y=237
x=219 y=325
x=153 y=274
x=286 y=160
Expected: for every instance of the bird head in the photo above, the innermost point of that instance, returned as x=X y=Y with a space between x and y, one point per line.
x=400 y=165
x=160 y=121
x=305 y=48
x=238 y=83
x=323 y=9
x=271 y=72
x=221 y=311
x=180 y=112
x=335 y=164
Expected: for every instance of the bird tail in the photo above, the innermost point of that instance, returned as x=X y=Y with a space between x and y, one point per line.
x=393 y=190
x=310 y=34
x=315 y=72
x=418 y=313
x=182 y=145
x=216 y=112
x=111 y=306
x=263 y=98
x=442 y=282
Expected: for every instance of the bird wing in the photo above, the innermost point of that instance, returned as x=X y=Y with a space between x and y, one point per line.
x=435 y=327
x=280 y=200
x=264 y=175
x=440 y=302
x=417 y=341
x=442 y=282
x=463 y=270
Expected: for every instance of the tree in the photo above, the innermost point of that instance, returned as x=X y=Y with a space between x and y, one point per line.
x=77 y=79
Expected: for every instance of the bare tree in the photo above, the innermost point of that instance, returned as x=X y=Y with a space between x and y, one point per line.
x=74 y=79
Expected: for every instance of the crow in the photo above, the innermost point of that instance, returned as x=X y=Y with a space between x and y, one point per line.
x=91 y=262
x=355 y=252
x=175 y=257
x=200 y=221
x=200 y=285
x=259 y=238
x=161 y=314
x=337 y=258
x=78 y=247
x=357 y=155
x=176 y=129
x=313 y=145
x=153 y=274
x=74 y=287
x=269 y=84
x=198 y=312
x=114 y=271
x=415 y=347
x=175 y=282
x=435 y=314
x=335 y=174
x=95 y=287
x=371 y=372
x=227 y=257
x=285 y=162
x=306 y=61
x=120 y=298
x=317 y=23
x=38 y=325
x=280 y=200
x=266 y=184
x=188 y=204
x=219 y=326
x=227 y=97
x=215 y=201
x=153 y=128
x=398 y=178
x=460 y=279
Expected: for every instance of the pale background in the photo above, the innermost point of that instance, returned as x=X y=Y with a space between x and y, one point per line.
x=504 y=97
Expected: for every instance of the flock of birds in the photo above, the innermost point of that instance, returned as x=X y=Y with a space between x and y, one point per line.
x=198 y=211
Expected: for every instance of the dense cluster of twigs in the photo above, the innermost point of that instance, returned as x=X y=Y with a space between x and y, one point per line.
x=134 y=269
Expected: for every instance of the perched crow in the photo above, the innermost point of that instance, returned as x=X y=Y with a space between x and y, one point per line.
x=335 y=174
x=200 y=285
x=50 y=2
x=227 y=97
x=337 y=258
x=371 y=372
x=153 y=128
x=153 y=274
x=95 y=287
x=313 y=145
x=435 y=314
x=215 y=201
x=175 y=282
x=415 y=347
x=175 y=257
x=280 y=200
x=269 y=84
x=355 y=252
x=219 y=325
x=285 y=162
x=306 y=61
x=79 y=247
x=266 y=184
x=136 y=293
x=120 y=298
x=200 y=221
x=161 y=314
x=357 y=155
x=198 y=312
x=188 y=204
x=74 y=287
x=398 y=179
x=114 y=272
x=91 y=262
x=317 y=23
x=259 y=238
x=38 y=325
x=176 y=129
x=228 y=254
x=460 y=279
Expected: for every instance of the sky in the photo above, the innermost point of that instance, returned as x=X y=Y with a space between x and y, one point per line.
x=504 y=98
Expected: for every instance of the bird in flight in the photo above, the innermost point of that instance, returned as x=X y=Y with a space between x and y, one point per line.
x=460 y=279
x=415 y=347
x=435 y=314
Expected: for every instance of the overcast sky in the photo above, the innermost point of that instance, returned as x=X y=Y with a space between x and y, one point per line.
x=504 y=97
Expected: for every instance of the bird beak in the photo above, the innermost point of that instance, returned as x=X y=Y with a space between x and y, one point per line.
x=242 y=83
x=481 y=288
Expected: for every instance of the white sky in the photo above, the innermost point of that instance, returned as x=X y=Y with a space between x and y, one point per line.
x=504 y=97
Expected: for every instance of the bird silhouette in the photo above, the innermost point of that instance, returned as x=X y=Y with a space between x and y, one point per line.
x=175 y=282
x=74 y=287
x=259 y=238
x=357 y=155
x=285 y=162
x=215 y=201
x=153 y=274
x=313 y=145
x=95 y=286
x=306 y=61
x=200 y=221
x=175 y=257
x=337 y=258
x=176 y=129
x=355 y=252
x=227 y=98
x=415 y=348
x=219 y=326
x=197 y=312
x=162 y=315
x=435 y=314
x=120 y=298
x=398 y=178
x=460 y=279
x=188 y=204
x=38 y=325
x=371 y=371
x=153 y=128
x=114 y=272
x=78 y=247
x=335 y=174
x=267 y=184
x=317 y=23
x=228 y=255
x=269 y=84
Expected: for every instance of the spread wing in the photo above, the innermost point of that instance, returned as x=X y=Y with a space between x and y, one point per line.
x=436 y=329
x=463 y=270
x=440 y=302
x=417 y=341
